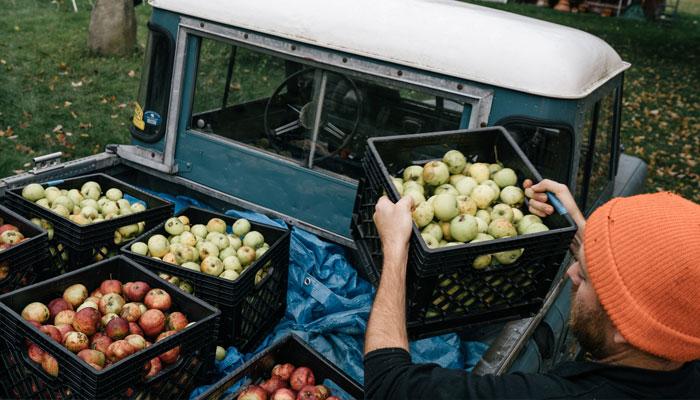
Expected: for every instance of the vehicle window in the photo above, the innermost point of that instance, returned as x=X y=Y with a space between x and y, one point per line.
x=594 y=175
x=275 y=104
x=547 y=145
x=151 y=107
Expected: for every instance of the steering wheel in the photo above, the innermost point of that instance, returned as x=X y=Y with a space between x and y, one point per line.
x=296 y=98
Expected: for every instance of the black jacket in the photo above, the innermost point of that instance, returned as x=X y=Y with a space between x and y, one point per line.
x=389 y=374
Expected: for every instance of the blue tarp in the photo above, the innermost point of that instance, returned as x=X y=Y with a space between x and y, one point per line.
x=328 y=305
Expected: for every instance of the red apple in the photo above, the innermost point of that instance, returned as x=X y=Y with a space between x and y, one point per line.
x=111 y=286
x=152 y=322
x=76 y=341
x=117 y=328
x=92 y=357
x=253 y=392
x=135 y=329
x=49 y=365
x=136 y=291
x=64 y=317
x=97 y=293
x=53 y=332
x=119 y=350
x=101 y=343
x=333 y=398
x=137 y=341
x=158 y=299
x=108 y=317
x=283 y=394
x=64 y=328
x=87 y=321
x=275 y=382
x=58 y=305
x=307 y=393
x=284 y=371
x=8 y=227
x=171 y=355
x=301 y=377
x=35 y=353
x=153 y=367
x=176 y=321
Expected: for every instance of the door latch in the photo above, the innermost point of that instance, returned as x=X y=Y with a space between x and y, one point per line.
x=47 y=162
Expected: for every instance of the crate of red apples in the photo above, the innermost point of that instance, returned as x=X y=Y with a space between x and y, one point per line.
x=287 y=370
x=111 y=329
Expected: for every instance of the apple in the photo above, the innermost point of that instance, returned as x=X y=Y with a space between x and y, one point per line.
x=131 y=312
x=445 y=207
x=87 y=321
x=114 y=194
x=463 y=228
x=484 y=215
x=494 y=187
x=436 y=173
x=76 y=341
x=159 y=299
x=495 y=167
x=455 y=161
x=445 y=227
x=91 y=356
x=11 y=237
x=284 y=371
x=413 y=185
x=171 y=355
x=176 y=321
x=512 y=195
x=137 y=341
x=414 y=173
x=169 y=258
x=501 y=228
x=534 y=228
x=136 y=291
x=111 y=303
x=140 y=248
x=158 y=245
x=199 y=230
x=466 y=205
x=64 y=317
x=482 y=195
x=153 y=367
x=174 y=226
x=33 y=192
x=119 y=350
x=517 y=215
x=233 y=264
x=216 y=225
x=135 y=329
x=456 y=178
x=253 y=239
x=246 y=255
x=49 y=365
x=220 y=353
x=509 y=256
x=35 y=353
x=219 y=239
x=56 y=306
x=322 y=392
x=482 y=226
x=188 y=239
x=208 y=249
x=63 y=329
x=75 y=294
x=398 y=184
x=283 y=394
x=415 y=195
x=96 y=293
x=91 y=192
x=479 y=171
x=526 y=221
x=434 y=230
x=483 y=260
x=275 y=382
x=301 y=377
x=505 y=177
x=253 y=392
x=212 y=266
x=191 y=265
x=111 y=286
x=100 y=343
x=37 y=312
x=234 y=241
x=53 y=332
x=152 y=322
x=229 y=274
x=502 y=211
x=423 y=214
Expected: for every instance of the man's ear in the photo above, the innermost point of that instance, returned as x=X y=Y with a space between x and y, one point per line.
x=618 y=338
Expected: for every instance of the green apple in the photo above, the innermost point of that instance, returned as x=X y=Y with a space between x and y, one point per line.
x=434 y=230
x=413 y=173
x=413 y=185
x=417 y=196
x=114 y=194
x=445 y=207
x=158 y=245
x=501 y=228
x=455 y=161
x=398 y=184
x=517 y=215
x=482 y=195
x=199 y=230
x=466 y=205
x=495 y=167
x=505 y=177
x=253 y=239
x=494 y=187
x=466 y=185
x=535 y=227
x=479 y=171
x=509 y=256
x=456 y=178
x=526 y=221
x=502 y=211
x=212 y=266
x=435 y=173
x=174 y=226
x=241 y=227
x=463 y=228
x=446 y=188
x=512 y=195
x=423 y=214
x=208 y=249
x=33 y=192
x=430 y=241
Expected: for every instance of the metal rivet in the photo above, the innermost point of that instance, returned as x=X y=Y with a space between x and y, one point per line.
x=307 y=281
x=245 y=36
x=483 y=124
x=345 y=59
x=201 y=24
x=459 y=86
x=399 y=73
x=294 y=47
x=153 y=155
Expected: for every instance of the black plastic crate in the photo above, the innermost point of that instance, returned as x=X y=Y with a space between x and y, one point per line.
x=387 y=156
x=290 y=349
x=115 y=381
x=87 y=237
x=249 y=310
x=64 y=258
x=20 y=263
x=19 y=381
x=213 y=288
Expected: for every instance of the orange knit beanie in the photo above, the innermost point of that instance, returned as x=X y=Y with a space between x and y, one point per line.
x=643 y=258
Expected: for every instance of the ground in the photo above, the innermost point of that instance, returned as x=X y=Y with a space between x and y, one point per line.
x=56 y=96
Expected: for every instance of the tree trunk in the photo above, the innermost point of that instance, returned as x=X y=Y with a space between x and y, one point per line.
x=112 y=27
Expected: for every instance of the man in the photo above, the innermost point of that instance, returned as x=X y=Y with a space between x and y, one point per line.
x=635 y=307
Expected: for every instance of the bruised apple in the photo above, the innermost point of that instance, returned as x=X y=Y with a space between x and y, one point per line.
x=101 y=343
x=37 y=312
x=75 y=294
x=92 y=357
x=176 y=321
x=275 y=382
x=153 y=367
x=118 y=328
x=283 y=394
x=284 y=371
x=136 y=291
x=253 y=392
x=158 y=299
x=152 y=322
x=56 y=306
x=76 y=341
x=119 y=350
x=301 y=377
x=53 y=332
x=87 y=321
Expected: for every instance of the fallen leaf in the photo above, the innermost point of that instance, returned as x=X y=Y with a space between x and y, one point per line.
x=67 y=103
x=58 y=128
x=122 y=105
x=131 y=73
x=83 y=125
x=76 y=84
x=74 y=115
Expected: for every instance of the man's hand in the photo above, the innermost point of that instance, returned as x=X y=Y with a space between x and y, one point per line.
x=539 y=206
x=394 y=223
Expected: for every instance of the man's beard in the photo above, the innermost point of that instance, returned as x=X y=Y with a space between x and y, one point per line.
x=589 y=327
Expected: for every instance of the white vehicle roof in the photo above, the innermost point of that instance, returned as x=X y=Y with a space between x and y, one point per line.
x=443 y=36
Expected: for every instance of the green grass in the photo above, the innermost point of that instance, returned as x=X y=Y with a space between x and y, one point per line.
x=48 y=78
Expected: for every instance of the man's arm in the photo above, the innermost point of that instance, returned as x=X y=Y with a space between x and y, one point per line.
x=386 y=327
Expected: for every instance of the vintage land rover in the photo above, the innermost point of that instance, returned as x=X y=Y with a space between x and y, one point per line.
x=267 y=105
